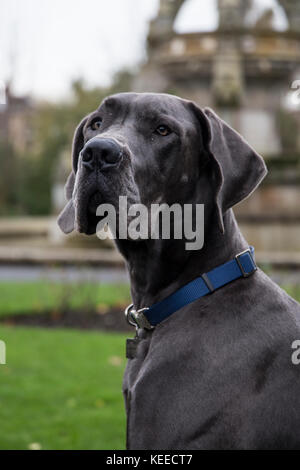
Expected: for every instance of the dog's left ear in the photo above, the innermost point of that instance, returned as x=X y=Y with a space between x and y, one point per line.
x=238 y=168
x=66 y=219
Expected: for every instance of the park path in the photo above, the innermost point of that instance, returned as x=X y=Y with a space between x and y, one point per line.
x=15 y=272
x=62 y=274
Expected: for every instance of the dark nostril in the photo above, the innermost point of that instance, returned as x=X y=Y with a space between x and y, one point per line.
x=87 y=155
x=87 y=158
x=111 y=155
x=109 y=152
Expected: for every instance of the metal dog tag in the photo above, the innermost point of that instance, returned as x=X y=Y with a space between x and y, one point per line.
x=131 y=347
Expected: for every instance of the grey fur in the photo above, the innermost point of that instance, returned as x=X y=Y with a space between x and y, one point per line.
x=217 y=374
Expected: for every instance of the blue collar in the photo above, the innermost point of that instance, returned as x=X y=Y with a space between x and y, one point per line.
x=243 y=265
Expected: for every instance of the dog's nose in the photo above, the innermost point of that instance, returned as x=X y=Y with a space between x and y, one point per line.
x=100 y=152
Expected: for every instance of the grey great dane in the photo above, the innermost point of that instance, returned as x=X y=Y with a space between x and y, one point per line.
x=217 y=373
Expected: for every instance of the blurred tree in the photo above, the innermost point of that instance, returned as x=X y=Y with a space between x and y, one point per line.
x=9 y=171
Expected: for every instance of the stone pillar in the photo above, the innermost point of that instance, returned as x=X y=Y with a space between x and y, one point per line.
x=227 y=86
x=162 y=26
x=232 y=13
x=292 y=11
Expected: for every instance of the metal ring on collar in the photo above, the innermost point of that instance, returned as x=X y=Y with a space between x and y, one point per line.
x=137 y=318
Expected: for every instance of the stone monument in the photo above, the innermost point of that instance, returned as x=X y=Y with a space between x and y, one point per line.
x=244 y=72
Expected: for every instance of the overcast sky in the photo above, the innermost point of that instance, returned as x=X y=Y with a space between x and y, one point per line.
x=45 y=44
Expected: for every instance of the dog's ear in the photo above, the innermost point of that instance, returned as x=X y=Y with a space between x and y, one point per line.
x=66 y=219
x=238 y=169
x=78 y=142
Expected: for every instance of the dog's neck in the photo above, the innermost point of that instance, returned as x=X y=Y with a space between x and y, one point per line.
x=158 y=268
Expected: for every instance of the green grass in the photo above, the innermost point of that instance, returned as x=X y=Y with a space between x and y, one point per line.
x=39 y=296
x=293 y=291
x=62 y=389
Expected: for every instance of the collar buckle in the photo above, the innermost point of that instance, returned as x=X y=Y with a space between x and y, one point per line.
x=240 y=263
x=137 y=318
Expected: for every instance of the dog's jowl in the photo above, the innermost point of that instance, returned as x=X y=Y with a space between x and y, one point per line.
x=211 y=367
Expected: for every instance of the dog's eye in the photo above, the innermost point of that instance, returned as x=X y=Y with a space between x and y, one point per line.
x=96 y=124
x=163 y=130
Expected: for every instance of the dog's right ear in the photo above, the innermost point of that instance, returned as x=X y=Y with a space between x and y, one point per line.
x=238 y=169
x=66 y=219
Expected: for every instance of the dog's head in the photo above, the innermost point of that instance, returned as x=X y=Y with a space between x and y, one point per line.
x=156 y=148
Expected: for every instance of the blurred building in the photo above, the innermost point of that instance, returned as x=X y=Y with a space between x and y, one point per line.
x=15 y=121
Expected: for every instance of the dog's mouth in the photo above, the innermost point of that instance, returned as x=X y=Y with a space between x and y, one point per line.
x=86 y=208
x=94 y=201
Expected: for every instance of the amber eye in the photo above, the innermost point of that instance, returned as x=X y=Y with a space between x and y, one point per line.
x=163 y=130
x=96 y=124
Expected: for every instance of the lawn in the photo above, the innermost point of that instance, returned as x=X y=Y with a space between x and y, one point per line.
x=62 y=390
x=293 y=291
x=40 y=296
